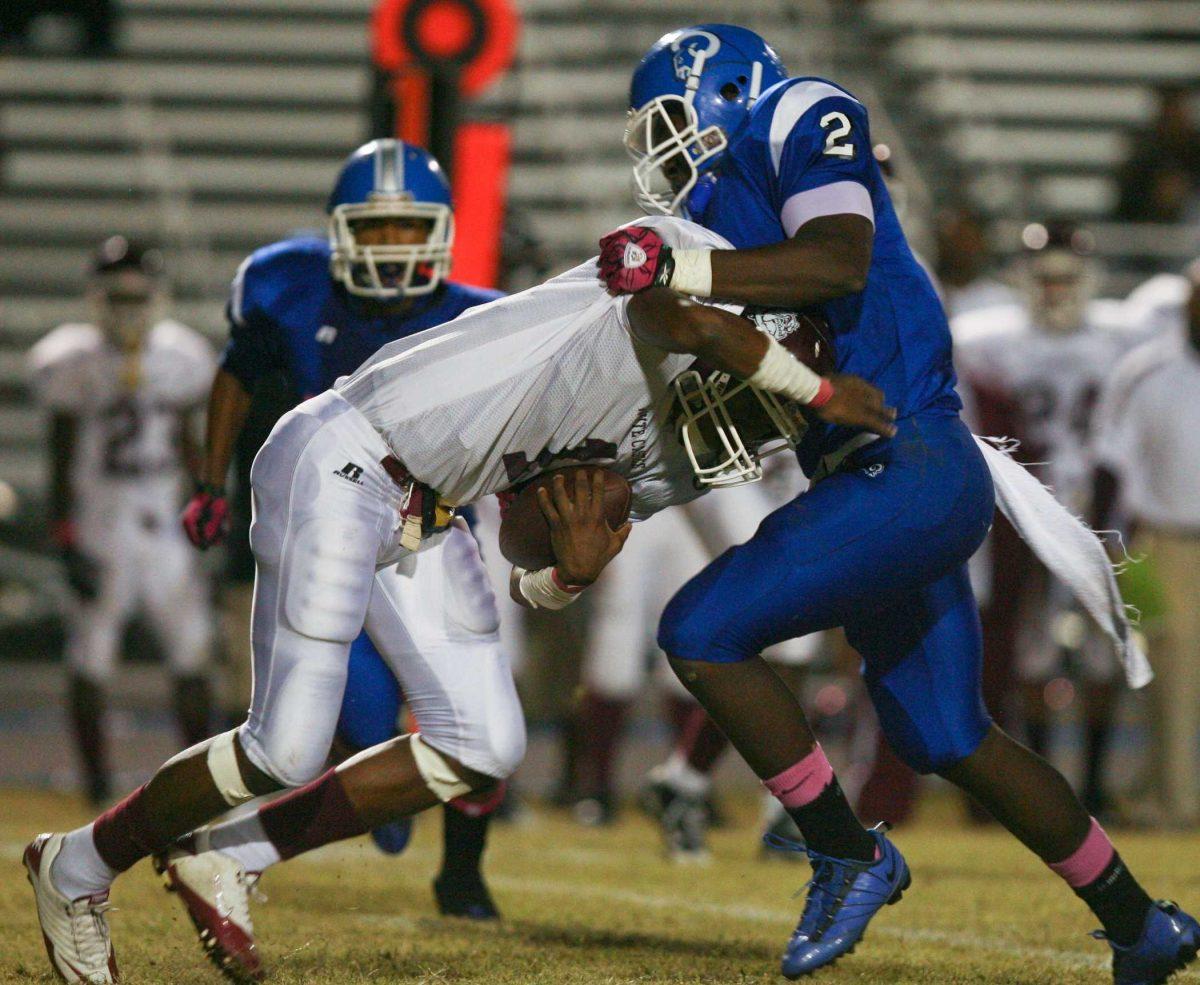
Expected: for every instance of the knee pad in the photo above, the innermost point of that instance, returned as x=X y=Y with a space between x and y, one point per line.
x=925 y=739
x=294 y=765
x=687 y=635
x=492 y=744
x=329 y=573
x=505 y=749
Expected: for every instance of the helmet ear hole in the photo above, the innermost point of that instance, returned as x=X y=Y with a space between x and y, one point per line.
x=730 y=92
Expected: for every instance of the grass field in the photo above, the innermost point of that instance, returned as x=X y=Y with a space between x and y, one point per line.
x=602 y=906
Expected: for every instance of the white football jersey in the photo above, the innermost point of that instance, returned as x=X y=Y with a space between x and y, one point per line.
x=1055 y=379
x=127 y=459
x=531 y=382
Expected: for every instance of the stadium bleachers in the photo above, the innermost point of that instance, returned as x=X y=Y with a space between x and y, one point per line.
x=219 y=129
x=1027 y=105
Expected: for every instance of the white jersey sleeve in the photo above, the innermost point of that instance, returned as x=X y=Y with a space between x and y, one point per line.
x=57 y=368
x=547 y=377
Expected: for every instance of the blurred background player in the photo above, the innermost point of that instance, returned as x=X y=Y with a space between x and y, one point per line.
x=1147 y=446
x=679 y=790
x=1045 y=359
x=120 y=392
x=310 y=310
x=965 y=274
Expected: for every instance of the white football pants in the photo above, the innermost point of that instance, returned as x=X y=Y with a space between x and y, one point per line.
x=146 y=565
x=325 y=537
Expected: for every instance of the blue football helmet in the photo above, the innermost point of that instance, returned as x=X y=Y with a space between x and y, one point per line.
x=389 y=179
x=689 y=94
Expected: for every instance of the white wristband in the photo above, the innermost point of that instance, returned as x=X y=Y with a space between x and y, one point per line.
x=540 y=590
x=781 y=372
x=693 y=272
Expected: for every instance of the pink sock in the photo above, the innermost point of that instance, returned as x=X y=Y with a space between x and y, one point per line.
x=1084 y=865
x=802 y=782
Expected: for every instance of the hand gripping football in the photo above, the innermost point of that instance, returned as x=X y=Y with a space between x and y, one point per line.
x=524 y=533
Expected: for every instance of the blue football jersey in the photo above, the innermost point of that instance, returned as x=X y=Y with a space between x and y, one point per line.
x=805 y=151
x=286 y=313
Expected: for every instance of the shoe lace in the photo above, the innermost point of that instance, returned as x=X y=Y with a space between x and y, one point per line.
x=239 y=903
x=92 y=940
x=831 y=882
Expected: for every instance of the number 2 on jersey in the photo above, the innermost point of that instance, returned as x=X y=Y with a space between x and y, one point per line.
x=841 y=129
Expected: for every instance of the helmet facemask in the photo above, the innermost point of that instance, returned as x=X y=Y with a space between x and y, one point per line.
x=126 y=305
x=669 y=151
x=728 y=426
x=389 y=271
x=1059 y=286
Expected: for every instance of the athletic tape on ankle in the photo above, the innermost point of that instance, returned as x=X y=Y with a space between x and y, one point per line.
x=436 y=771
x=781 y=372
x=693 y=272
x=223 y=767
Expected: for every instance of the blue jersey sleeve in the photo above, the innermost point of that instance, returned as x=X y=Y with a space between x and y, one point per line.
x=276 y=289
x=819 y=143
x=253 y=349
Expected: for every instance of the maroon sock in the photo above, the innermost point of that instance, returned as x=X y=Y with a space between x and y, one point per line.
x=124 y=833
x=602 y=720
x=890 y=793
x=679 y=713
x=704 y=743
x=311 y=816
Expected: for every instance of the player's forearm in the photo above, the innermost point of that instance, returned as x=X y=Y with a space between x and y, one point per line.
x=228 y=405
x=722 y=340
x=827 y=258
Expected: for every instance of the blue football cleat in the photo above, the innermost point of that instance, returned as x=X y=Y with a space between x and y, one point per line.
x=1170 y=940
x=843 y=896
x=392 y=838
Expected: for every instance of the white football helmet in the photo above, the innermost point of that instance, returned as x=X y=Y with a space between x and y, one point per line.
x=728 y=426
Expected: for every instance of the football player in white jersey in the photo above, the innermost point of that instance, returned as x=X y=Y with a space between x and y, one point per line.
x=119 y=392
x=350 y=491
x=1046 y=360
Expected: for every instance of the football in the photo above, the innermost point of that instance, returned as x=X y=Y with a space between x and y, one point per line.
x=805 y=334
x=524 y=532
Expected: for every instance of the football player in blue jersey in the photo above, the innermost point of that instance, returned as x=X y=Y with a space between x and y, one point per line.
x=312 y=310
x=782 y=167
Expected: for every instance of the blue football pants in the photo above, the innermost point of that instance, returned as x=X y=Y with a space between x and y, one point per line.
x=878 y=547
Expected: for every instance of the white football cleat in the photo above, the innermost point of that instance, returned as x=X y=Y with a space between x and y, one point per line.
x=215 y=891
x=75 y=931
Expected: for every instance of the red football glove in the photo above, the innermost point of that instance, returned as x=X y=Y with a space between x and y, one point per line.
x=205 y=516
x=634 y=258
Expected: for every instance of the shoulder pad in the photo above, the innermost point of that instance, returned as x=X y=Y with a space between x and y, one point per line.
x=278 y=274
x=71 y=341
x=174 y=336
x=985 y=324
